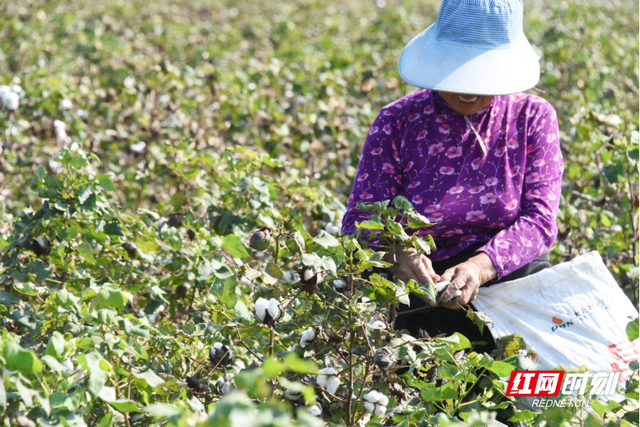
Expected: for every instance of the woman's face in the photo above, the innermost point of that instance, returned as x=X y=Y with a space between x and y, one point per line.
x=465 y=103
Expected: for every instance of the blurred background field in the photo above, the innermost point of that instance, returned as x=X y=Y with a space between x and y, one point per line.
x=301 y=81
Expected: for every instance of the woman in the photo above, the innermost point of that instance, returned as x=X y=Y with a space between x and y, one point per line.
x=474 y=154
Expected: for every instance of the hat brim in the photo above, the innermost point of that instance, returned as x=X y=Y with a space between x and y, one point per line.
x=430 y=63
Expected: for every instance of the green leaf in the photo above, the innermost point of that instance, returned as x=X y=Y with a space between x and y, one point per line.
x=108 y=394
x=632 y=329
x=522 y=416
x=56 y=345
x=403 y=203
x=105 y=182
x=370 y=225
x=233 y=244
x=501 y=369
x=164 y=410
x=458 y=341
x=326 y=240
x=19 y=359
x=447 y=391
x=150 y=377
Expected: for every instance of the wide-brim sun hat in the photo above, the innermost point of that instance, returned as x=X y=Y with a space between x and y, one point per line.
x=474 y=47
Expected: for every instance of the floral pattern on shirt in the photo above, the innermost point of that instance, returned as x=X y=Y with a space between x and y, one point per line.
x=421 y=148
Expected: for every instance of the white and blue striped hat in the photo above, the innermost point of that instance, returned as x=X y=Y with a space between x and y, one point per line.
x=474 y=47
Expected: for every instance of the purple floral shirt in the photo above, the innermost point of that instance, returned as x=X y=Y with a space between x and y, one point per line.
x=421 y=148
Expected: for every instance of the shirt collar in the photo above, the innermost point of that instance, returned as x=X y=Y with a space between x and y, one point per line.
x=443 y=106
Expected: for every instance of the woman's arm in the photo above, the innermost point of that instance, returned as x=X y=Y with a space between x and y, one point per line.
x=535 y=229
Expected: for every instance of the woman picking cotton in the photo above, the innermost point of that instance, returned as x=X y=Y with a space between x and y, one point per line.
x=473 y=153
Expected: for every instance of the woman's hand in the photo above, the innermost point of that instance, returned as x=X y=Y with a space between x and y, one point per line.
x=468 y=277
x=414 y=265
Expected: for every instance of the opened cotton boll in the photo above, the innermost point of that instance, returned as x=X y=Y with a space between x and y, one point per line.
x=376 y=402
x=220 y=355
x=332 y=228
x=339 y=284
x=377 y=324
x=268 y=312
x=308 y=337
x=291 y=276
x=315 y=410
x=310 y=278
x=60 y=129
x=10 y=100
x=138 y=147
x=68 y=366
x=328 y=379
x=384 y=358
x=65 y=104
x=224 y=384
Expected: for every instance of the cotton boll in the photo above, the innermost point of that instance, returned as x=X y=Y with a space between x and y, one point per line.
x=153 y=318
x=380 y=410
x=4 y=89
x=18 y=89
x=369 y=406
x=274 y=309
x=332 y=384
x=260 y=309
x=291 y=276
x=65 y=104
x=339 y=284
x=11 y=101
x=164 y=99
x=373 y=396
x=328 y=371
x=307 y=274
x=321 y=380
x=224 y=384
x=82 y=114
x=332 y=228
x=307 y=337
x=383 y=400
x=60 y=129
x=138 y=147
x=315 y=410
x=56 y=167
x=260 y=255
x=245 y=281
x=377 y=324
x=68 y=366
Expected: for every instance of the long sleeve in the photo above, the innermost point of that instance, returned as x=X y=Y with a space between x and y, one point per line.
x=535 y=229
x=379 y=174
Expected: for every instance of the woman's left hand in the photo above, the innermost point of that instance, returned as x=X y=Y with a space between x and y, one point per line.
x=468 y=277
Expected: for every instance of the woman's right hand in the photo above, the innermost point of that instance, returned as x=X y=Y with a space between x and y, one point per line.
x=413 y=265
